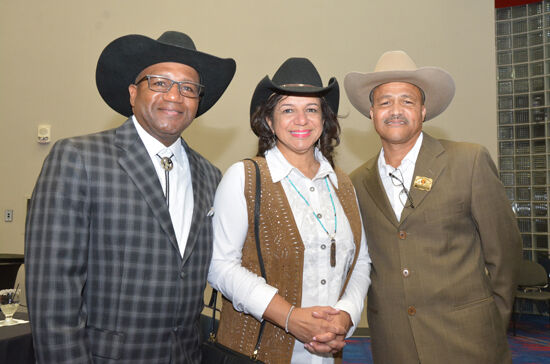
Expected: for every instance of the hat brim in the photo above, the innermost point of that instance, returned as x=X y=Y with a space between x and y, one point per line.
x=266 y=88
x=437 y=84
x=124 y=58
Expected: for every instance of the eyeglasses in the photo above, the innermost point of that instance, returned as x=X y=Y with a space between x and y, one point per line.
x=162 y=84
x=398 y=182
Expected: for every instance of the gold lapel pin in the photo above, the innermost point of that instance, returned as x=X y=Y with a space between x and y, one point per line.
x=423 y=183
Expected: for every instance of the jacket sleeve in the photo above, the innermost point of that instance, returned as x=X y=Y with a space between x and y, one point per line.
x=56 y=239
x=498 y=230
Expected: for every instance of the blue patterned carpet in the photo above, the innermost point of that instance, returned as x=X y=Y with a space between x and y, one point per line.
x=531 y=345
x=532 y=341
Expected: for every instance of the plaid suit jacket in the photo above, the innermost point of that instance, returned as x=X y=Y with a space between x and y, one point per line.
x=105 y=279
x=431 y=300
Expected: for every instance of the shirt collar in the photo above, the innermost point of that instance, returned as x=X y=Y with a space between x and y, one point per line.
x=279 y=167
x=154 y=146
x=406 y=163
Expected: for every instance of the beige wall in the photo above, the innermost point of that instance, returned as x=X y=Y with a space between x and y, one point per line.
x=49 y=49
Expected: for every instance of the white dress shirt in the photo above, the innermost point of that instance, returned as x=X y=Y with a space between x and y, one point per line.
x=321 y=283
x=180 y=190
x=393 y=190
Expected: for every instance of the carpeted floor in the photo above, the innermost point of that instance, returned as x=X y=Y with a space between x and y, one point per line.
x=532 y=341
x=531 y=345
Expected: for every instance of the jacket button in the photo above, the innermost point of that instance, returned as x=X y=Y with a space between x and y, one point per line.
x=411 y=311
x=406 y=272
x=323 y=281
x=402 y=235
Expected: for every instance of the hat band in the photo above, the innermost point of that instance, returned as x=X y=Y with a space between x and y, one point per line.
x=371 y=94
x=295 y=85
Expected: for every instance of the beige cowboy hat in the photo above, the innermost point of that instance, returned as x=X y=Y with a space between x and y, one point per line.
x=396 y=66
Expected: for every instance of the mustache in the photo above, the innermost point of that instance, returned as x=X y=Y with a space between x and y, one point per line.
x=394 y=118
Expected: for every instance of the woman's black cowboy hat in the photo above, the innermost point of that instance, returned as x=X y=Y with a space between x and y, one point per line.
x=125 y=57
x=298 y=77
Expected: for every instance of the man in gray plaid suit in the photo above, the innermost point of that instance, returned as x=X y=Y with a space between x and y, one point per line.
x=118 y=234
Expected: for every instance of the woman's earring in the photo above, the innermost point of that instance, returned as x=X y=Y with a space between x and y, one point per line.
x=319 y=143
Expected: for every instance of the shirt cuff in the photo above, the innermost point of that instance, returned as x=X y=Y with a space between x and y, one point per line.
x=351 y=310
x=259 y=300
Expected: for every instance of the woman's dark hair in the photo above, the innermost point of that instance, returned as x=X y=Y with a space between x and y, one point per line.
x=329 y=139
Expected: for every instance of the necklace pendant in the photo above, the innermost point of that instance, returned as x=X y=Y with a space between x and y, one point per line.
x=333 y=253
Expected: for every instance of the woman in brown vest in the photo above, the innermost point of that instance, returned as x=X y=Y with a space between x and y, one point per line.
x=312 y=241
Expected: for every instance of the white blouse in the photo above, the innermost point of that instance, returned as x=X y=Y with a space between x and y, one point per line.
x=321 y=282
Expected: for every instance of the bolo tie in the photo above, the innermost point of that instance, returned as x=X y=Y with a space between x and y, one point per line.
x=167 y=164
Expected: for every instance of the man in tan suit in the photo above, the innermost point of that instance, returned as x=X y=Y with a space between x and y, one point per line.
x=442 y=236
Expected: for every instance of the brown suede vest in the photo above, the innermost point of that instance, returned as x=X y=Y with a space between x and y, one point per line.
x=283 y=255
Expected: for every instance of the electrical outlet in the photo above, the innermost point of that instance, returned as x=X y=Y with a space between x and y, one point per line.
x=8 y=215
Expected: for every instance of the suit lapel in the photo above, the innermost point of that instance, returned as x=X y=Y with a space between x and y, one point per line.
x=200 y=208
x=376 y=190
x=430 y=163
x=136 y=162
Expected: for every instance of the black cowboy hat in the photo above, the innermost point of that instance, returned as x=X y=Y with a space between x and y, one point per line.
x=299 y=77
x=125 y=57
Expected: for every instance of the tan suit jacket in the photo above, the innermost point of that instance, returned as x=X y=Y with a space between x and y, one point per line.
x=443 y=277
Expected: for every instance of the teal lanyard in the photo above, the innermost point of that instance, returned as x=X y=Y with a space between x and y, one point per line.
x=332 y=238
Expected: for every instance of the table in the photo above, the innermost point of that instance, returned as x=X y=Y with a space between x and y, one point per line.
x=16 y=342
x=12 y=258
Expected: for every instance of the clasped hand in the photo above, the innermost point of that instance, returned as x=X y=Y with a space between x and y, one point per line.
x=322 y=329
